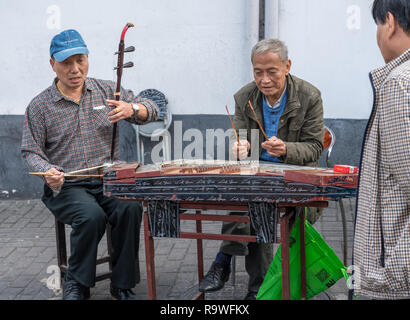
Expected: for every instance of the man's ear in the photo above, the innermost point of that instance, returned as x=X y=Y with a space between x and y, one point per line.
x=288 y=65
x=52 y=63
x=392 y=25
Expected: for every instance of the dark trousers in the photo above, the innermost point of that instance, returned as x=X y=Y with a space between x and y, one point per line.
x=258 y=256
x=83 y=206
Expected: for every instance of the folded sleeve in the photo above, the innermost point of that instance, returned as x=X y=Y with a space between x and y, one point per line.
x=152 y=108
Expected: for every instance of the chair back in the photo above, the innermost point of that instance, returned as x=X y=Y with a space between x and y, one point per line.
x=328 y=143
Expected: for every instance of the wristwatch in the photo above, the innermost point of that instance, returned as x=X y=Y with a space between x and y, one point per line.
x=136 y=108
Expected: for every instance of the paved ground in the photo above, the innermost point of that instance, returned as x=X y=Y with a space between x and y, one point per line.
x=27 y=249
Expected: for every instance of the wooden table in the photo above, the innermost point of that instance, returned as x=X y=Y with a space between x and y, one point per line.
x=270 y=196
x=286 y=213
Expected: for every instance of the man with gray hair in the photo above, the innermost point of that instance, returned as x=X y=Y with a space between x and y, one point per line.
x=291 y=113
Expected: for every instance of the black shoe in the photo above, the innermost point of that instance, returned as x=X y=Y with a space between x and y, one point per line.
x=121 y=294
x=215 y=278
x=73 y=290
x=251 y=295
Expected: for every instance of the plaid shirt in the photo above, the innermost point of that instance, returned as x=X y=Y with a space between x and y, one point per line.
x=66 y=135
x=382 y=228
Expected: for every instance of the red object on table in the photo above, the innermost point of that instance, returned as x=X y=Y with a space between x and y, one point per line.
x=338 y=168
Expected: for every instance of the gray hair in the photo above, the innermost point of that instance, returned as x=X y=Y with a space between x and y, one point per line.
x=274 y=45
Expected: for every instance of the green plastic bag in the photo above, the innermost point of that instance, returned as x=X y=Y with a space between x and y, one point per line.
x=323 y=267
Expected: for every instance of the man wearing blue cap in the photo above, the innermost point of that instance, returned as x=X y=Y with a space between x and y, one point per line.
x=68 y=127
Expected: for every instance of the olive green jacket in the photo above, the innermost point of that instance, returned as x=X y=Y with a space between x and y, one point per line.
x=301 y=124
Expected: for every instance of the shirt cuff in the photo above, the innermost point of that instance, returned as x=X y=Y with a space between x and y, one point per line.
x=152 y=109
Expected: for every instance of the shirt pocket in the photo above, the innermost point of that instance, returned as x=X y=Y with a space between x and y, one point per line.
x=60 y=124
x=100 y=119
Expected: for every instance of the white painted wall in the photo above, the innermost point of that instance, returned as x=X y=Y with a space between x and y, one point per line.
x=195 y=51
x=332 y=44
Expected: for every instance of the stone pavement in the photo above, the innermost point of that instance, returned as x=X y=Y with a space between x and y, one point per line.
x=28 y=248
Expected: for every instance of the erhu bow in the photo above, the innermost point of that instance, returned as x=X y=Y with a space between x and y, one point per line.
x=119 y=67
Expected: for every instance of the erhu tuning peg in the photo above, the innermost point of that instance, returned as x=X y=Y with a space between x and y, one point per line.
x=128 y=49
x=126 y=65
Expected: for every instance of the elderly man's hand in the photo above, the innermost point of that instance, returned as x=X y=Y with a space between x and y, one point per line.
x=56 y=180
x=275 y=147
x=241 y=150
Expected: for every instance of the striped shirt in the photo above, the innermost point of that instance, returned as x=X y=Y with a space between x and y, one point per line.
x=61 y=133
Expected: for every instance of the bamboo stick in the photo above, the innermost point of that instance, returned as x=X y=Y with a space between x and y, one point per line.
x=233 y=126
x=260 y=126
x=66 y=175
x=92 y=168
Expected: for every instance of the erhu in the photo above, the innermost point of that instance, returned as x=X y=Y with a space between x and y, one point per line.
x=119 y=68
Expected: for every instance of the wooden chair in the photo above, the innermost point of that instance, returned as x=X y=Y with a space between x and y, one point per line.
x=329 y=140
x=62 y=253
x=328 y=143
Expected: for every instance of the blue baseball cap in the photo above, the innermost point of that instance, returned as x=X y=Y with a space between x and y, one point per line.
x=66 y=44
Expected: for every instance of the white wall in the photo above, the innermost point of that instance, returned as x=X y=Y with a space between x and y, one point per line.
x=195 y=51
x=332 y=44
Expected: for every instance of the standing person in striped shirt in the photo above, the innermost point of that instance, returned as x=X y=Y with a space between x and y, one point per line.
x=69 y=127
x=381 y=252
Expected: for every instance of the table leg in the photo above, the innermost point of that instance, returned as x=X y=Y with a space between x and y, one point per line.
x=150 y=260
x=302 y=255
x=200 y=256
x=284 y=236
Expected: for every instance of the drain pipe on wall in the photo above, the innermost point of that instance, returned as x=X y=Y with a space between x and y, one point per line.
x=262 y=19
